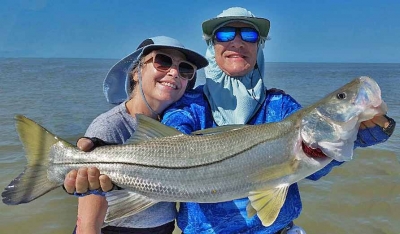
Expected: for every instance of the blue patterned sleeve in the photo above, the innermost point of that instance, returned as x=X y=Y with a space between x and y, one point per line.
x=180 y=119
x=371 y=136
x=188 y=113
x=290 y=106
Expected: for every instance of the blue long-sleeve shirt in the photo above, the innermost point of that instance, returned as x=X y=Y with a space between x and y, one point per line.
x=192 y=113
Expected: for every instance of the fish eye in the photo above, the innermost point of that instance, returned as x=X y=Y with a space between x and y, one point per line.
x=341 y=96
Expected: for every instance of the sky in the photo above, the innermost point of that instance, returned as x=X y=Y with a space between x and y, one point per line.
x=359 y=31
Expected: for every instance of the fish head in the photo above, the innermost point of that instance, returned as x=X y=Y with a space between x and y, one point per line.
x=332 y=124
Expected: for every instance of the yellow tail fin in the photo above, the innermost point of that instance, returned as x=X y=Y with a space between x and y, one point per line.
x=33 y=182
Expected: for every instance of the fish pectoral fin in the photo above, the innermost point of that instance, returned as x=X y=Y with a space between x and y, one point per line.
x=123 y=203
x=148 y=128
x=267 y=204
x=250 y=210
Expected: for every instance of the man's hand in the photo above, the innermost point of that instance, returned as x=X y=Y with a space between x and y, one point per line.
x=85 y=179
x=380 y=120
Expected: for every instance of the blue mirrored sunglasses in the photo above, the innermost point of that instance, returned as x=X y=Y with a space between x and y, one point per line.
x=225 y=34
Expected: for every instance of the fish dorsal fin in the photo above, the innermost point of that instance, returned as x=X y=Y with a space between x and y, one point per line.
x=148 y=128
x=266 y=204
x=124 y=203
x=219 y=129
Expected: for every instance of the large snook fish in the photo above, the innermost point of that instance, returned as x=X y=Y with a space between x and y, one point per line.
x=213 y=165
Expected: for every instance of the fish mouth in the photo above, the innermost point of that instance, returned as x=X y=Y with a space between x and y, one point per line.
x=312 y=153
x=370 y=96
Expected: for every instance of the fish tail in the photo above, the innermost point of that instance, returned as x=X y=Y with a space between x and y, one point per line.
x=33 y=182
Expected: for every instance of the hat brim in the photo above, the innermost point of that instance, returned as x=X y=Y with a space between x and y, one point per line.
x=262 y=24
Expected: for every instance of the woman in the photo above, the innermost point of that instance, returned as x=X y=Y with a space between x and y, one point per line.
x=235 y=93
x=159 y=72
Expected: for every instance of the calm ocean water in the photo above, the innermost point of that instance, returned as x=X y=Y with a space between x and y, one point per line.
x=64 y=95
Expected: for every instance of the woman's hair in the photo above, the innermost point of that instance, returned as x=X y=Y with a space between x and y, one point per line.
x=132 y=73
x=135 y=66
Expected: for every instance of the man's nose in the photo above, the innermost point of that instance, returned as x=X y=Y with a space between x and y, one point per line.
x=237 y=40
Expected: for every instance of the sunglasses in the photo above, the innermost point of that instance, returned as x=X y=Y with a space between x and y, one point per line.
x=163 y=63
x=225 y=34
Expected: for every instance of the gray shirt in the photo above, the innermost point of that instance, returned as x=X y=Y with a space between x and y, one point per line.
x=117 y=126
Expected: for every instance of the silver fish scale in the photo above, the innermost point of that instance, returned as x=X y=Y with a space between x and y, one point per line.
x=213 y=181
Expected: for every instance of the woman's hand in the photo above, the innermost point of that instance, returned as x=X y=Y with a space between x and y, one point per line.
x=85 y=144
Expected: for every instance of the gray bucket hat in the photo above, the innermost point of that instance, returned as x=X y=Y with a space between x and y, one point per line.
x=116 y=86
x=235 y=14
